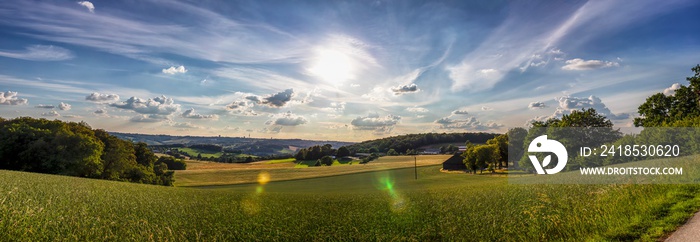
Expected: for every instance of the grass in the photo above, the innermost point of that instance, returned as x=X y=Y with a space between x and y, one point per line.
x=194 y=152
x=281 y=161
x=211 y=173
x=378 y=205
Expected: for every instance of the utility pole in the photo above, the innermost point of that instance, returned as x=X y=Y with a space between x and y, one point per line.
x=415 y=166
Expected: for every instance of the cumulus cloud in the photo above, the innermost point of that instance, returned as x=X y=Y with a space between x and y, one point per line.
x=64 y=106
x=416 y=109
x=241 y=107
x=578 y=64
x=536 y=105
x=460 y=112
x=468 y=123
x=40 y=53
x=279 y=99
x=175 y=70
x=159 y=105
x=100 y=111
x=45 y=106
x=567 y=104
x=51 y=113
x=403 y=89
x=380 y=125
x=190 y=113
x=11 y=98
x=287 y=119
x=670 y=91
x=90 y=7
x=150 y=118
x=102 y=97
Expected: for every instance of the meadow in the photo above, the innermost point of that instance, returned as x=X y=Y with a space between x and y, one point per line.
x=377 y=205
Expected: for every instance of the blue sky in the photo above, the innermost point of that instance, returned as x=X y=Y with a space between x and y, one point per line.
x=338 y=70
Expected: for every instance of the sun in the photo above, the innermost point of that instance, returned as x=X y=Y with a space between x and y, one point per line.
x=332 y=66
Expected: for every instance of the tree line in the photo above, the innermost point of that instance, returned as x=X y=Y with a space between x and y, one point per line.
x=588 y=128
x=404 y=144
x=75 y=149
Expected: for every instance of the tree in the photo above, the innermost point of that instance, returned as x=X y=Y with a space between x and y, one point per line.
x=172 y=163
x=662 y=110
x=580 y=128
x=516 y=139
x=343 y=151
x=501 y=143
x=327 y=161
x=392 y=152
x=301 y=155
x=144 y=156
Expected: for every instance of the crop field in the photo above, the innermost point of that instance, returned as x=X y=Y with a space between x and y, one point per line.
x=377 y=205
x=211 y=173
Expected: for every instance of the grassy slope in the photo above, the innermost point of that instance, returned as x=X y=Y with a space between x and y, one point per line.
x=224 y=174
x=382 y=205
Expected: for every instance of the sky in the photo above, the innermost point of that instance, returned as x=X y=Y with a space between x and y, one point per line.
x=338 y=70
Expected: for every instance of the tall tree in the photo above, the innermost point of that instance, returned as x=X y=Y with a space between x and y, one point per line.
x=663 y=110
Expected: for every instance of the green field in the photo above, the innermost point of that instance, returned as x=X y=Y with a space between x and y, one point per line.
x=205 y=153
x=378 y=205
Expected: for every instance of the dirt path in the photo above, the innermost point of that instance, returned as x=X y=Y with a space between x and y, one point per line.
x=688 y=232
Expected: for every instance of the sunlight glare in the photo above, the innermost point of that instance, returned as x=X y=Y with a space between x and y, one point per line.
x=332 y=66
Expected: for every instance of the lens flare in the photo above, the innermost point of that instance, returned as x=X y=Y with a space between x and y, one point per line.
x=398 y=204
x=263 y=178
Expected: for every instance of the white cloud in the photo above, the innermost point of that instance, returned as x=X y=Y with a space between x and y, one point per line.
x=578 y=64
x=567 y=104
x=287 y=119
x=90 y=7
x=100 y=112
x=11 y=98
x=468 y=123
x=536 y=105
x=175 y=70
x=159 y=105
x=460 y=112
x=403 y=89
x=486 y=108
x=670 y=91
x=40 y=53
x=45 y=106
x=242 y=107
x=380 y=125
x=102 y=97
x=64 y=106
x=277 y=100
x=51 y=113
x=416 y=109
x=150 y=118
x=185 y=126
x=190 y=113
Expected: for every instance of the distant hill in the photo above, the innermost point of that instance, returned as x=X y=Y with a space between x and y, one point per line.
x=252 y=146
x=402 y=143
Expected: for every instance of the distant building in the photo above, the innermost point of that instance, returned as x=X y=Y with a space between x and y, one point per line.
x=454 y=163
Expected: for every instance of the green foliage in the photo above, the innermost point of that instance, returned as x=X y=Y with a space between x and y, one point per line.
x=580 y=128
x=74 y=149
x=478 y=157
x=392 y=152
x=315 y=152
x=326 y=161
x=403 y=143
x=501 y=144
x=38 y=207
x=661 y=110
x=516 y=142
x=343 y=151
x=172 y=163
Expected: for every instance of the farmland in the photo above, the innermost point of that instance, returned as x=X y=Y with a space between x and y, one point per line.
x=377 y=205
x=207 y=173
